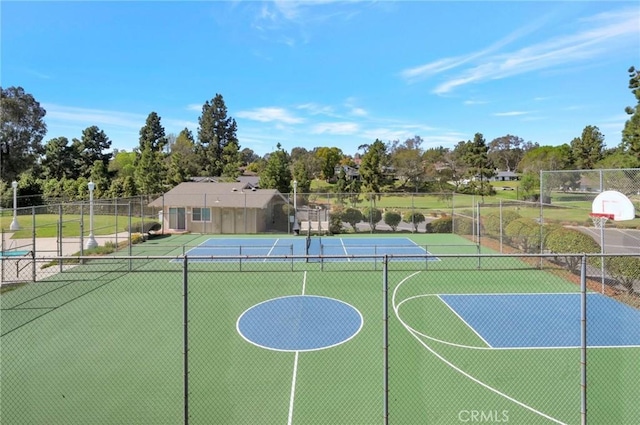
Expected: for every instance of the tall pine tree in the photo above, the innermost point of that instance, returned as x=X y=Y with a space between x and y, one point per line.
x=215 y=133
x=150 y=170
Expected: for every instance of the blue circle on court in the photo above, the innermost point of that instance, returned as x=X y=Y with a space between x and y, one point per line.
x=299 y=323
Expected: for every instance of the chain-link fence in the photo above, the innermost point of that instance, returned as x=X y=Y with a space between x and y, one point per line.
x=333 y=339
x=247 y=212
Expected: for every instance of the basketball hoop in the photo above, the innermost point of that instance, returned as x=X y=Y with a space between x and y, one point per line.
x=600 y=219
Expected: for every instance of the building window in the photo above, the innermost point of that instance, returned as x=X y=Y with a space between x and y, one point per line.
x=201 y=214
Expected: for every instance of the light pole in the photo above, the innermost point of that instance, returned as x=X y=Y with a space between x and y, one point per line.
x=14 y=224
x=296 y=228
x=91 y=242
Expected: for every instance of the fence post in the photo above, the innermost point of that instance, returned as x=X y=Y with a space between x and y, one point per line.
x=583 y=340
x=385 y=339
x=82 y=229
x=500 y=226
x=185 y=335
x=130 y=244
x=33 y=246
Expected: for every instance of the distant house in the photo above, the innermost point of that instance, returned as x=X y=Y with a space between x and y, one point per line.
x=204 y=207
x=350 y=173
x=505 y=176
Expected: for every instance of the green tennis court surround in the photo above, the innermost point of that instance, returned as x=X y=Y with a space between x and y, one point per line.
x=151 y=337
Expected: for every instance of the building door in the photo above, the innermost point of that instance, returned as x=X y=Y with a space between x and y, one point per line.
x=177 y=218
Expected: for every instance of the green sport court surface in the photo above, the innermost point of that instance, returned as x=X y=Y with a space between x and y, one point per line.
x=102 y=344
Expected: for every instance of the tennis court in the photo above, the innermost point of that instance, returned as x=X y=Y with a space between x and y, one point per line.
x=302 y=342
x=281 y=249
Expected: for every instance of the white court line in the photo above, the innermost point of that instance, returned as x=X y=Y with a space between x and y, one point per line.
x=271 y=250
x=465 y=322
x=295 y=365
x=456 y=368
x=344 y=248
x=293 y=388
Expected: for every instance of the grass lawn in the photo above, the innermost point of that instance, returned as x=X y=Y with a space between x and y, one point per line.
x=47 y=225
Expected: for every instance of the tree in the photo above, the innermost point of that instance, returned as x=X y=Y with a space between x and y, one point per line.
x=352 y=216
x=341 y=186
x=247 y=156
x=100 y=177
x=586 y=151
x=546 y=158
x=407 y=160
x=150 y=171
x=392 y=219
x=372 y=215
x=436 y=169
x=371 y=165
x=475 y=156
x=152 y=134
x=301 y=175
x=328 y=158
x=231 y=160
x=415 y=218
x=631 y=131
x=277 y=174
x=58 y=160
x=22 y=129
x=215 y=132
x=506 y=152
x=91 y=148
x=183 y=163
x=122 y=164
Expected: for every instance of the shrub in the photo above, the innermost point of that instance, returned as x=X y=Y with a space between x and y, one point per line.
x=524 y=233
x=137 y=238
x=415 y=218
x=392 y=219
x=491 y=222
x=372 y=215
x=440 y=225
x=335 y=220
x=462 y=225
x=352 y=216
x=146 y=227
x=625 y=270
x=571 y=241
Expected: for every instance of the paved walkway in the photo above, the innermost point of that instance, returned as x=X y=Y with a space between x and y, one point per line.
x=49 y=247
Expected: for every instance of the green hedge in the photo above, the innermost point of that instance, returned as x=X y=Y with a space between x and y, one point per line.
x=146 y=227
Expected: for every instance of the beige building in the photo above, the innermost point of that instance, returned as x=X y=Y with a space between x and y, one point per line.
x=204 y=207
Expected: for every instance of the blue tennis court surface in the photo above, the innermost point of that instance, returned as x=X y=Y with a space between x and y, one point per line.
x=299 y=323
x=546 y=320
x=297 y=246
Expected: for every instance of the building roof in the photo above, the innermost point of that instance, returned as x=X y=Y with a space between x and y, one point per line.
x=217 y=195
x=506 y=174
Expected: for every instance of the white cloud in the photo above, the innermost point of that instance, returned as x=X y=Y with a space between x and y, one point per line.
x=445 y=64
x=89 y=117
x=343 y=128
x=270 y=114
x=194 y=107
x=475 y=102
x=603 y=33
x=510 y=113
x=316 y=109
x=359 y=112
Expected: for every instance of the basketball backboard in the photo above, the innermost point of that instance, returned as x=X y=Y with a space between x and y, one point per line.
x=615 y=203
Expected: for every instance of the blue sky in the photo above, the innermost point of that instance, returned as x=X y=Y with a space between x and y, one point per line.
x=327 y=73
